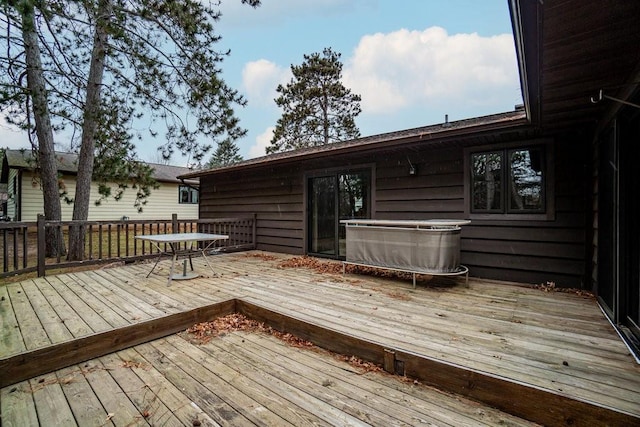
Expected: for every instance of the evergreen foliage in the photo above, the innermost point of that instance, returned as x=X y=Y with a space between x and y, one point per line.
x=317 y=108
x=95 y=66
x=160 y=65
x=226 y=154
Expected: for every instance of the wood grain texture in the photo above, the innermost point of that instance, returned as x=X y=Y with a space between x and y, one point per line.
x=490 y=332
x=27 y=365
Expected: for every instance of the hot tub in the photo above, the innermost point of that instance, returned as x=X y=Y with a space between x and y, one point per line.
x=415 y=246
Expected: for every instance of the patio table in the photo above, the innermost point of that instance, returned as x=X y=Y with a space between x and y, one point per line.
x=174 y=241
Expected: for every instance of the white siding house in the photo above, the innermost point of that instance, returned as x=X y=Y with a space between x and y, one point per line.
x=25 y=199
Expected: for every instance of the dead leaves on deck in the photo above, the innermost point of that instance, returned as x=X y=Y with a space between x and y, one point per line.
x=324 y=266
x=315 y=264
x=361 y=365
x=335 y=267
x=263 y=257
x=551 y=287
x=202 y=333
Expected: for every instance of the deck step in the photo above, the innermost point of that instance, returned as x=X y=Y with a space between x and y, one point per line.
x=522 y=400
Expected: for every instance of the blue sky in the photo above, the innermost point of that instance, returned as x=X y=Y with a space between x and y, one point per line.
x=412 y=61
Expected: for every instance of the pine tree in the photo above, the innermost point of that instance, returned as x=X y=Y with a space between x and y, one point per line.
x=97 y=65
x=317 y=108
x=226 y=154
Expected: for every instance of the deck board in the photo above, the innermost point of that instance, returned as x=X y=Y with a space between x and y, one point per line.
x=17 y=406
x=78 y=306
x=50 y=401
x=178 y=405
x=206 y=399
x=75 y=324
x=241 y=378
x=11 y=341
x=84 y=404
x=349 y=391
x=554 y=341
x=125 y=311
x=31 y=330
x=52 y=323
x=149 y=406
x=416 y=407
x=236 y=388
x=489 y=354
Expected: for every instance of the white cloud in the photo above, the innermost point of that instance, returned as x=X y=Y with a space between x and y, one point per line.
x=416 y=68
x=11 y=137
x=261 y=78
x=262 y=142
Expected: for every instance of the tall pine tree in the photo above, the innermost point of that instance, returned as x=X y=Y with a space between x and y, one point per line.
x=226 y=154
x=97 y=65
x=317 y=108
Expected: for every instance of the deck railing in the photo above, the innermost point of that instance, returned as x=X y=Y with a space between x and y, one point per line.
x=23 y=244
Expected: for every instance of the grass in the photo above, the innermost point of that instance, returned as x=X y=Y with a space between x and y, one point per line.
x=100 y=244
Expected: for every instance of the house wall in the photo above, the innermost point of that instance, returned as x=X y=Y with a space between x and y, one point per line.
x=275 y=195
x=162 y=203
x=530 y=251
x=12 y=197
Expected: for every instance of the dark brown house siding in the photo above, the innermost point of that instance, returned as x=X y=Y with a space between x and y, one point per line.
x=275 y=195
x=514 y=250
x=538 y=251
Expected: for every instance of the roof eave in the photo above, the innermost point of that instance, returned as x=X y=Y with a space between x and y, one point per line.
x=445 y=133
x=526 y=23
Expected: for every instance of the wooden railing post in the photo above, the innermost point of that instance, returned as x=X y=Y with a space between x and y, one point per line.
x=42 y=245
x=174 y=223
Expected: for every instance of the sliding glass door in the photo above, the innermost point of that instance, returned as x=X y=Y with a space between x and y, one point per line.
x=333 y=197
x=619 y=228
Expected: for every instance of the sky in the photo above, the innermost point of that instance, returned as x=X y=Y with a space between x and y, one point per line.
x=412 y=62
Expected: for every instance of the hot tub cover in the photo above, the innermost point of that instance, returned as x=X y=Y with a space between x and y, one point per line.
x=431 y=246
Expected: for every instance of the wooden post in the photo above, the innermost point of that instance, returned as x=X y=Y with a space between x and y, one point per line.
x=174 y=223
x=42 y=246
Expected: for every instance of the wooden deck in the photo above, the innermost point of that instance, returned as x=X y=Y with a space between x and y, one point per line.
x=490 y=339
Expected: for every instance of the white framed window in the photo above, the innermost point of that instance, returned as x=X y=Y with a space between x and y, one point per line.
x=187 y=195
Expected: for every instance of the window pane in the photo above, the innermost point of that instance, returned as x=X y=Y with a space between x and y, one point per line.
x=486 y=179
x=187 y=195
x=527 y=183
x=184 y=195
x=353 y=193
x=322 y=215
x=353 y=202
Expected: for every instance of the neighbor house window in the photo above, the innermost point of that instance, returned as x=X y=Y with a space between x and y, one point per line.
x=508 y=181
x=187 y=194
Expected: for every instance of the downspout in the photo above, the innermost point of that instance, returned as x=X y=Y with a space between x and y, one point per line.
x=190 y=186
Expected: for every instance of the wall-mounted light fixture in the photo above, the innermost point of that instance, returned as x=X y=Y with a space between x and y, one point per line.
x=412 y=169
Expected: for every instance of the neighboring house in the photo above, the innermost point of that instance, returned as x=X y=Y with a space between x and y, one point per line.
x=551 y=190
x=25 y=199
x=4 y=196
